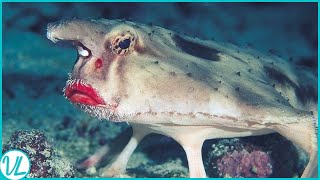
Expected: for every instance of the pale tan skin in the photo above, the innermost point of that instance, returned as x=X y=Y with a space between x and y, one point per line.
x=159 y=86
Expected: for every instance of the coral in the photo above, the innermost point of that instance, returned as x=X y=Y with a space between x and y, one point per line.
x=44 y=161
x=245 y=164
x=268 y=156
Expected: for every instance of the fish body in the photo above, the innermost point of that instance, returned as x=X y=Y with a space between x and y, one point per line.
x=189 y=89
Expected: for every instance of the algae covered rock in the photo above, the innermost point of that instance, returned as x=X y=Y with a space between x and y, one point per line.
x=45 y=161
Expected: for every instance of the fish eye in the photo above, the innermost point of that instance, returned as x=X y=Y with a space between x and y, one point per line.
x=122 y=44
x=125 y=44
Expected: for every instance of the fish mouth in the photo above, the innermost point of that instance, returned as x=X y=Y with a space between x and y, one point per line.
x=80 y=92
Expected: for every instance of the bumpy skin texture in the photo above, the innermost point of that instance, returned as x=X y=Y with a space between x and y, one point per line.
x=189 y=89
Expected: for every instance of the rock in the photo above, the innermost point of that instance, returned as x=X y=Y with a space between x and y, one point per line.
x=45 y=162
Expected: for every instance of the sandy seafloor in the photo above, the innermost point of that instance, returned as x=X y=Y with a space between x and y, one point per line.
x=35 y=71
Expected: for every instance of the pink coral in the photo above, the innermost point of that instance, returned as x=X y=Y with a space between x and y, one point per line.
x=245 y=164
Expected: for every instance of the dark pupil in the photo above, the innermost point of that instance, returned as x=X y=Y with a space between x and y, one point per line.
x=124 y=44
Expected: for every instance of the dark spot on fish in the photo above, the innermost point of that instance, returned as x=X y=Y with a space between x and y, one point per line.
x=149 y=34
x=273 y=85
x=172 y=74
x=196 y=50
x=156 y=62
x=250 y=70
x=153 y=31
x=237 y=89
x=238 y=73
x=189 y=74
x=258 y=57
x=220 y=82
x=278 y=100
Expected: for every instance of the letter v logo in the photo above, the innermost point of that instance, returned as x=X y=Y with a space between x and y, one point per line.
x=15 y=164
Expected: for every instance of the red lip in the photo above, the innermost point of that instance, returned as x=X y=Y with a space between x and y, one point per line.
x=84 y=94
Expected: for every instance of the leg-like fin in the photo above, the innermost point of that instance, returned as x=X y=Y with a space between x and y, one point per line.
x=118 y=166
x=192 y=147
x=108 y=151
x=305 y=136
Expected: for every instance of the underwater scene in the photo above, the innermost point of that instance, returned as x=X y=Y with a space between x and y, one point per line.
x=163 y=90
